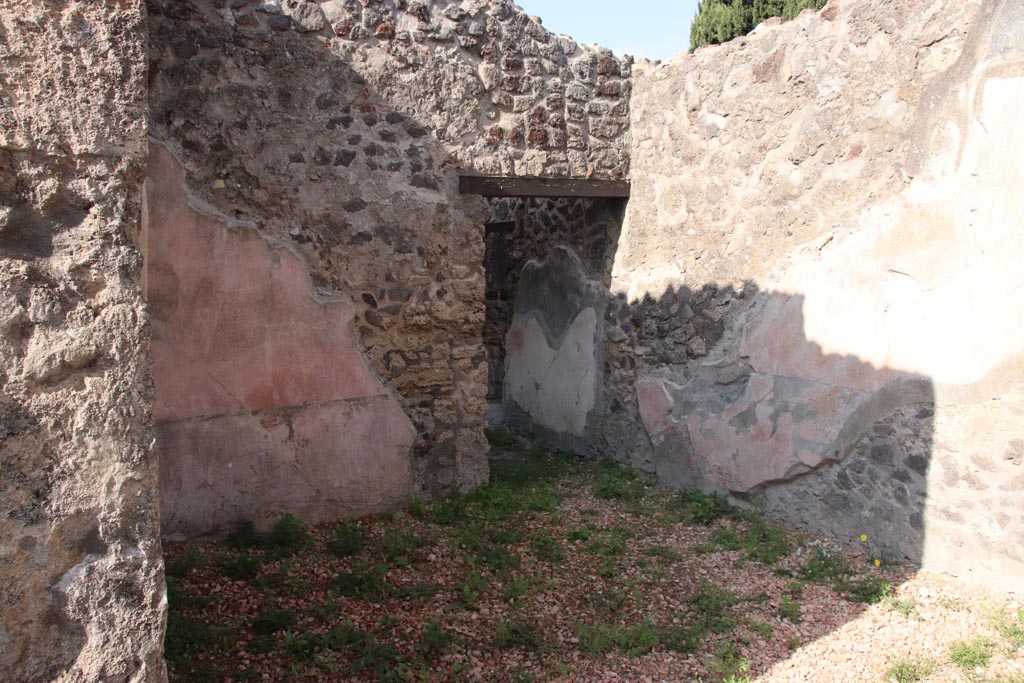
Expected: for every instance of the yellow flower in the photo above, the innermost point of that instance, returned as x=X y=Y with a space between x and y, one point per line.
x=878 y=563
x=863 y=537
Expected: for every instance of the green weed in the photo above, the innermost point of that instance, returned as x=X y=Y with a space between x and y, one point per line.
x=520 y=675
x=829 y=567
x=663 y=552
x=632 y=640
x=241 y=567
x=186 y=639
x=179 y=599
x=286 y=538
x=546 y=546
x=727 y=538
x=472 y=588
x=418 y=509
x=419 y=589
x=712 y=605
x=761 y=628
x=869 y=589
x=377 y=657
x=365 y=581
x=347 y=540
x=435 y=640
x=731 y=666
x=909 y=671
x=611 y=601
x=516 y=587
x=513 y=633
x=789 y=609
x=699 y=508
x=764 y=542
x=499 y=436
x=825 y=566
x=615 y=482
x=609 y=544
x=190 y=559
x=902 y=606
x=399 y=546
x=272 y=621
x=1012 y=629
x=970 y=654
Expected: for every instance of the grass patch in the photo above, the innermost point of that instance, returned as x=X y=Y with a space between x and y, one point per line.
x=435 y=640
x=764 y=542
x=698 y=507
x=825 y=566
x=272 y=621
x=471 y=589
x=712 y=606
x=365 y=581
x=518 y=489
x=241 y=567
x=909 y=671
x=730 y=665
x=499 y=436
x=664 y=553
x=516 y=587
x=186 y=639
x=868 y=589
x=1012 y=629
x=190 y=559
x=971 y=654
x=615 y=482
x=761 y=628
x=789 y=609
x=727 y=538
x=611 y=543
x=420 y=589
x=287 y=537
x=399 y=546
x=546 y=546
x=631 y=640
x=377 y=657
x=907 y=608
x=179 y=599
x=346 y=541
x=514 y=633
x=828 y=567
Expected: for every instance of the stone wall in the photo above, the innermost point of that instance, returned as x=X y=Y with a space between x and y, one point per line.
x=335 y=133
x=841 y=193
x=81 y=578
x=504 y=94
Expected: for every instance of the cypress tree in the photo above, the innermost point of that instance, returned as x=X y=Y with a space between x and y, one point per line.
x=718 y=21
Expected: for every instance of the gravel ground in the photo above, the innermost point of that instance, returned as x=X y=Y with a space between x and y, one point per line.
x=563 y=571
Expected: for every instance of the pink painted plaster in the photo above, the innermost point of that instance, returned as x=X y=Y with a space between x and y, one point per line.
x=655 y=405
x=263 y=400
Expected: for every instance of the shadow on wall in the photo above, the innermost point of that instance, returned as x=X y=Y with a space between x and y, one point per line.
x=315 y=280
x=825 y=442
x=732 y=396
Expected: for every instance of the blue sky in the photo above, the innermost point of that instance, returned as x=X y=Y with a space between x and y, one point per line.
x=655 y=29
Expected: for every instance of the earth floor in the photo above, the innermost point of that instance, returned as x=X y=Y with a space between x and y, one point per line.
x=561 y=570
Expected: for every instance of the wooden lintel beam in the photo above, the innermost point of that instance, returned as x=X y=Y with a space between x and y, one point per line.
x=505 y=186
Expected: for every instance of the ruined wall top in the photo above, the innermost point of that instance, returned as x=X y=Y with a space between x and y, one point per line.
x=502 y=93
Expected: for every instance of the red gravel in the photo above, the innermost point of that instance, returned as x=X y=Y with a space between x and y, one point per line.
x=663 y=565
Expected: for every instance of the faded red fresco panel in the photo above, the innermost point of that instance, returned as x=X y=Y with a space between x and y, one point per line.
x=263 y=401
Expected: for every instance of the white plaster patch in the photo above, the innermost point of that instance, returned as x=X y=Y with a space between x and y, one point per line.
x=556 y=387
